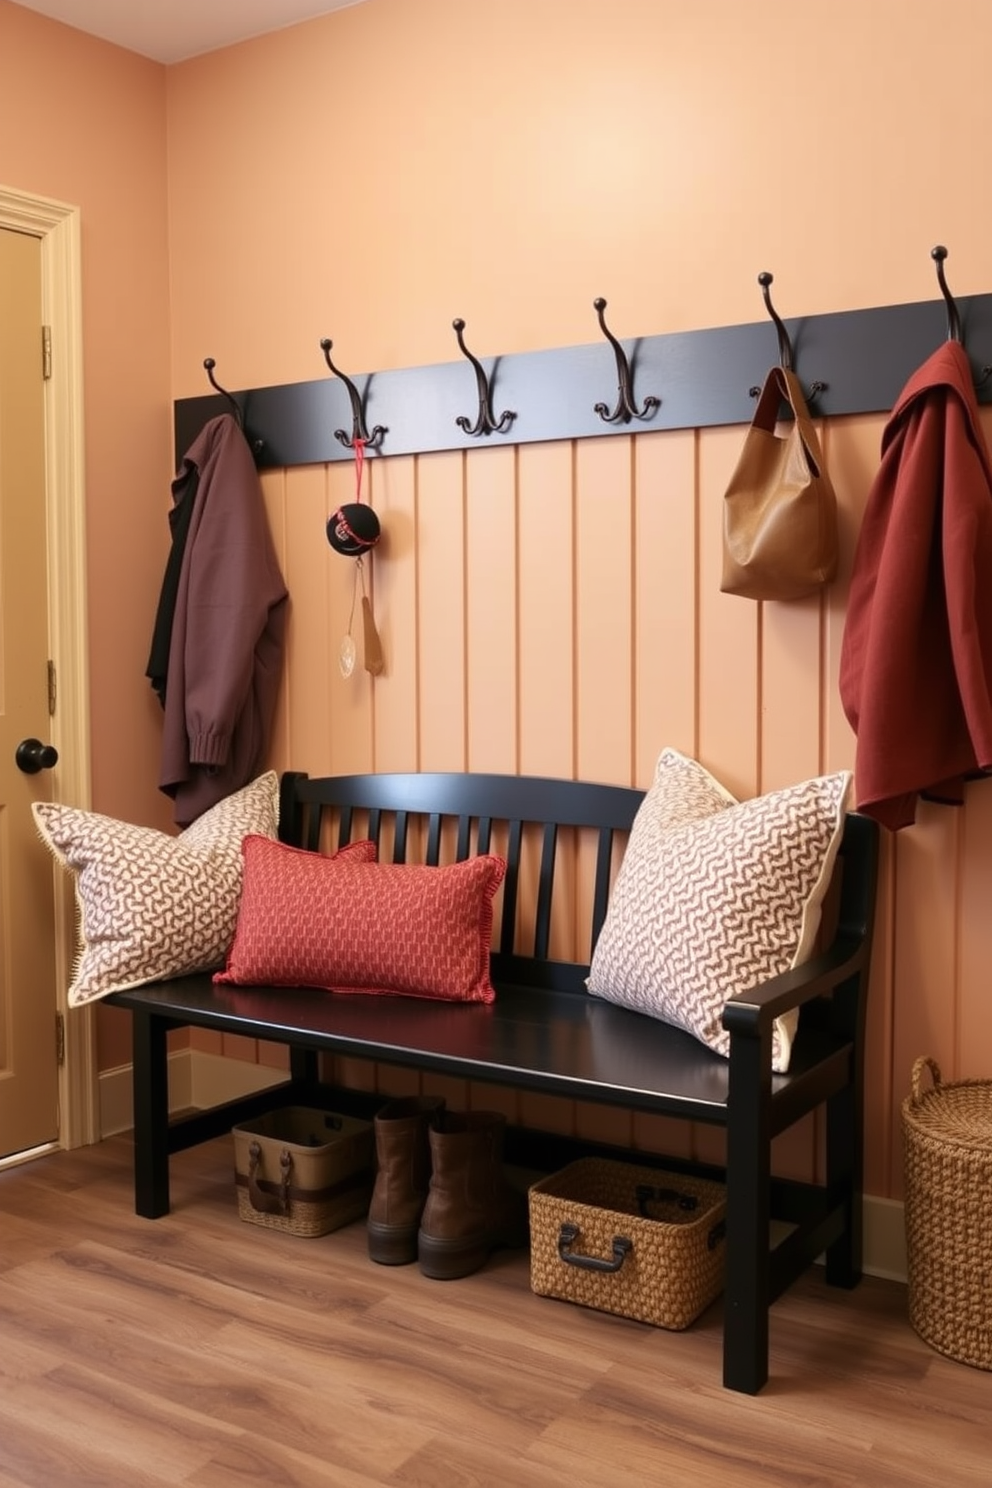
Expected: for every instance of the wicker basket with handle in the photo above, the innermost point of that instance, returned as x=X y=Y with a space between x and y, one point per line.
x=947 y=1148
x=303 y=1171
x=635 y=1241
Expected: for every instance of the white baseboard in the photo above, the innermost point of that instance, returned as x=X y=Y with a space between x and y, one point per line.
x=198 y=1080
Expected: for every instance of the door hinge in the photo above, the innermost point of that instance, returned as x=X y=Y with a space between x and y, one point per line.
x=46 y=352
x=52 y=689
x=60 y=1038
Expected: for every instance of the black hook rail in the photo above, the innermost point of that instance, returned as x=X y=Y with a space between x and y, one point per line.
x=864 y=357
x=626 y=409
x=938 y=255
x=257 y=445
x=484 y=421
x=786 y=354
x=359 y=430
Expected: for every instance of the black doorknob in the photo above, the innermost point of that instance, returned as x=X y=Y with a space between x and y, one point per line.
x=31 y=756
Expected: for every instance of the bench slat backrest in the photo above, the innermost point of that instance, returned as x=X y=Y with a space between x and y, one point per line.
x=409 y=815
x=434 y=817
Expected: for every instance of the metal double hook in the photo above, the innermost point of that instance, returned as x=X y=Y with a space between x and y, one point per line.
x=786 y=355
x=626 y=409
x=256 y=445
x=359 y=429
x=485 y=423
x=938 y=255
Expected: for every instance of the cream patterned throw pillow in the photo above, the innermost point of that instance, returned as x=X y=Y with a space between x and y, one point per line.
x=715 y=896
x=153 y=905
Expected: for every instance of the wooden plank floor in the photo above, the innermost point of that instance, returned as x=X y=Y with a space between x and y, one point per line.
x=199 y=1350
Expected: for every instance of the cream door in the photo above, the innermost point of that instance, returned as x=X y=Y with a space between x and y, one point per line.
x=28 y=1001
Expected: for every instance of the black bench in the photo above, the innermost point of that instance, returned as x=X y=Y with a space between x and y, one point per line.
x=545 y=1033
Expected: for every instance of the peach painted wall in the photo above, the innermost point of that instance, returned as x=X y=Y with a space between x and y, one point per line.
x=85 y=123
x=370 y=175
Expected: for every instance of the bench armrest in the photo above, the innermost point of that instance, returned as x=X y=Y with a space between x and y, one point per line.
x=754 y=1011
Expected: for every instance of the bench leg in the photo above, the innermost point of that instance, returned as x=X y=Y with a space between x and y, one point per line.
x=747 y=1294
x=303 y=1066
x=150 y=1077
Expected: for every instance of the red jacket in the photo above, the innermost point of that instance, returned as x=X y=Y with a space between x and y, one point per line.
x=916 y=657
x=225 y=647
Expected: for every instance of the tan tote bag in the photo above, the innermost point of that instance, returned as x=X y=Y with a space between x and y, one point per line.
x=779 y=510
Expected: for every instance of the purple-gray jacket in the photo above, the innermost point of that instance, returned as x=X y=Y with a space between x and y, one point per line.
x=224 y=635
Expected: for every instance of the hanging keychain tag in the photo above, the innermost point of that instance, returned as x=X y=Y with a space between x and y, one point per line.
x=353 y=530
x=346 y=651
x=346 y=656
x=374 y=661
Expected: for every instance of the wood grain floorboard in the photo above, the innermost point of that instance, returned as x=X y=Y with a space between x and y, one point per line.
x=198 y=1351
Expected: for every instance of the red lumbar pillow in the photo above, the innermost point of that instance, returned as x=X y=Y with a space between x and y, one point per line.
x=307 y=920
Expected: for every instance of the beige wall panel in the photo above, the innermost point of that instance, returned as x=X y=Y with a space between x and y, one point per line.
x=799 y=1152
x=441 y=611
x=665 y=593
x=273 y=1056
x=546 y=649
x=486 y=1097
x=563 y=920
x=565 y=940
x=604 y=612
x=709 y=1144
x=973 y=1054
x=356 y=1074
x=349 y=742
x=273 y=482
x=790 y=689
x=595 y=1123
x=790 y=685
x=727 y=679
x=393 y=566
x=603 y=609
x=310 y=649
x=454 y=1090
x=661 y=1134
x=206 y=1040
x=985 y=411
x=851 y=452
x=548 y=1113
x=396 y=1080
x=879 y=1021
x=546 y=610
x=491 y=624
x=925 y=970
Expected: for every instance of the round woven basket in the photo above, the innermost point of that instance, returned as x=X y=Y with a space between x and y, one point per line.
x=947 y=1146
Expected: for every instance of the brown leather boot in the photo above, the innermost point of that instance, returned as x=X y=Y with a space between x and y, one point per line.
x=403 y=1170
x=471 y=1209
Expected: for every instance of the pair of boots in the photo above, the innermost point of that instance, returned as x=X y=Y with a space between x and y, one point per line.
x=440 y=1193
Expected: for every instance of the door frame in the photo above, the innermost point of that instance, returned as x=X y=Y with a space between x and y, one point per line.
x=57 y=225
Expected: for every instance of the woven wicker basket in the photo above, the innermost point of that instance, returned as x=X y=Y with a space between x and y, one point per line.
x=947 y=1146
x=303 y=1171
x=634 y=1241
